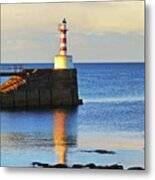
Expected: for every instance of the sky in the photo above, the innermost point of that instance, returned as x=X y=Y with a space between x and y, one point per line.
x=98 y=31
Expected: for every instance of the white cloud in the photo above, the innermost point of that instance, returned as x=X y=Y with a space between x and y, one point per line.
x=42 y=46
x=112 y=31
x=118 y=16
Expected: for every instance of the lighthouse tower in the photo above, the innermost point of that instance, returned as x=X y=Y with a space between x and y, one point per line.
x=62 y=60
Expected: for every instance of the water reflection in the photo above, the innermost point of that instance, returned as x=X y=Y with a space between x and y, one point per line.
x=65 y=132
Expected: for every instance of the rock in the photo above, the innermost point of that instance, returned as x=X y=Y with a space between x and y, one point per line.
x=115 y=166
x=59 y=166
x=77 y=166
x=91 y=166
x=100 y=151
x=41 y=164
x=136 y=168
x=45 y=165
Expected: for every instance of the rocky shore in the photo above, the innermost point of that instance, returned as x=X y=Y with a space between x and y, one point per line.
x=87 y=166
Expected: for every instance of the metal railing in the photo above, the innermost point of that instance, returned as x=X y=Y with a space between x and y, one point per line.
x=11 y=69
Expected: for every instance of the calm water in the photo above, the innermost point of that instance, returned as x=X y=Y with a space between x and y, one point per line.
x=111 y=118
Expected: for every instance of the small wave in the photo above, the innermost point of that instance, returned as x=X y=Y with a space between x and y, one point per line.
x=114 y=100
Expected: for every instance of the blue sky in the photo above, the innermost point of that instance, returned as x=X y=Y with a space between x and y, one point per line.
x=98 y=31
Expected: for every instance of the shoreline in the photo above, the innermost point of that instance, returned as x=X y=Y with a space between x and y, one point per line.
x=87 y=166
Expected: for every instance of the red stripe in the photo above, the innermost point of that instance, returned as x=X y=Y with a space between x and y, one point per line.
x=63 y=31
x=63 y=49
x=63 y=40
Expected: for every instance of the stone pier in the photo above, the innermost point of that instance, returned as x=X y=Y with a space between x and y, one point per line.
x=43 y=87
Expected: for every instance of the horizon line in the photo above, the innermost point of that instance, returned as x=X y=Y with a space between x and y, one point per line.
x=73 y=63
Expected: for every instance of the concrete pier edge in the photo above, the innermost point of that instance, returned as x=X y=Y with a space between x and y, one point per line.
x=45 y=87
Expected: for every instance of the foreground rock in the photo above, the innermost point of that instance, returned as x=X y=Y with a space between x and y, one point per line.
x=99 y=151
x=80 y=166
x=136 y=168
x=77 y=166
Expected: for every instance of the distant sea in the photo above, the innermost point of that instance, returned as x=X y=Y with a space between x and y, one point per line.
x=111 y=118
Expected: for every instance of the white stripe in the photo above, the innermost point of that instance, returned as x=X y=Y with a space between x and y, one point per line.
x=63 y=52
x=63 y=45
x=63 y=27
x=62 y=35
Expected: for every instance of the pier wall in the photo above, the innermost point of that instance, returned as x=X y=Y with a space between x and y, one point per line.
x=45 y=87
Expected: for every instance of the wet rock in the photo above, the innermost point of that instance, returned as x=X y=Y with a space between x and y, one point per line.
x=115 y=166
x=104 y=151
x=100 y=151
x=91 y=166
x=40 y=164
x=136 y=168
x=77 y=166
x=45 y=165
x=59 y=166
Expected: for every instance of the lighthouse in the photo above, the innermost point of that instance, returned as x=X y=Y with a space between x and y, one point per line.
x=63 y=60
x=51 y=87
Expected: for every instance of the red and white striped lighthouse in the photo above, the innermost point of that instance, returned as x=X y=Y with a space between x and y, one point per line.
x=63 y=37
x=62 y=60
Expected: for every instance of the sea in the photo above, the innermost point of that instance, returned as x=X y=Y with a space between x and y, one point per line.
x=109 y=128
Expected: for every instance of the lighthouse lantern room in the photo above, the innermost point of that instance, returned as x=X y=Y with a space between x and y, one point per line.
x=62 y=60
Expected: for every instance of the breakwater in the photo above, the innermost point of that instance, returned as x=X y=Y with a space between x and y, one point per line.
x=42 y=87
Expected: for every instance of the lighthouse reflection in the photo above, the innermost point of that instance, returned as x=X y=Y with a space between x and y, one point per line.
x=60 y=118
x=65 y=132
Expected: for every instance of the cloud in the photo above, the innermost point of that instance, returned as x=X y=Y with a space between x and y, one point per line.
x=121 y=16
x=110 y=47
x=103 y=31
x=42 y=46
x=16 y=45
x=27 y=46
